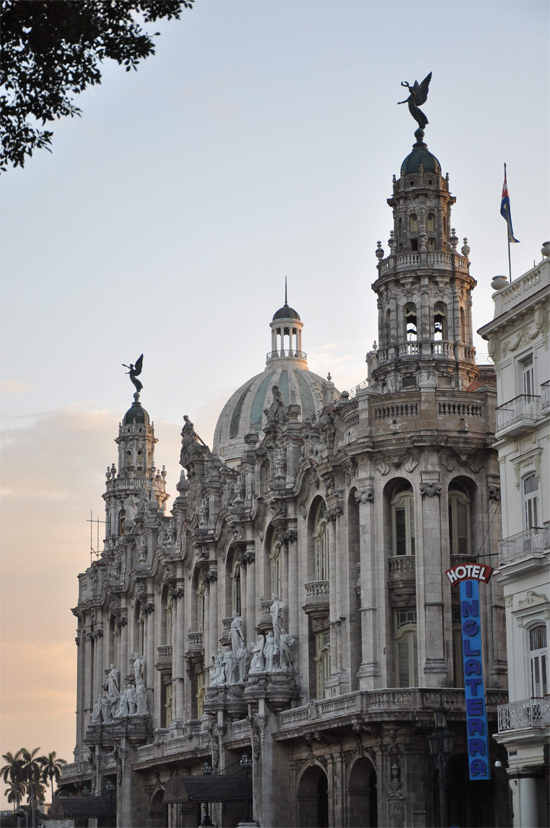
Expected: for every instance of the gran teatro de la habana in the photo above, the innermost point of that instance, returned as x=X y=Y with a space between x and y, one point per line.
x=275 y=648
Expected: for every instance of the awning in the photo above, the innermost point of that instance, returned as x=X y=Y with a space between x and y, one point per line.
x=82 y=806
x=207 y=789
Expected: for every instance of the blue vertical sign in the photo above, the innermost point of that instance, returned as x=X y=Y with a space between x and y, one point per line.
x=476 y=712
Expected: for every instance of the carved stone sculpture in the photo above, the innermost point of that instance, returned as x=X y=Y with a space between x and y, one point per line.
x=270 y=651
x=275 y=610
x=236 y=634
x=229 y=663
x=257 y=664
x=132 y=700
x=95 y=718
x=285 y=655
x=141 y=694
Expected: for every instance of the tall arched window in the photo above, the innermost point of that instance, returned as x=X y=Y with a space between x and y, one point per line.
x=402 y=517
x=388 y=327
x=413 y=223
x=406 y=648
x=236 y=588
x=275 y=566
x=462 y=325
x=121 y=519
x=430 y=223
x=531 y=501
x=322 y=662
x=459 y=519
x=320 y=543
x=411 y=327
x=440 y=321
x=539 y=661
x=201 y=605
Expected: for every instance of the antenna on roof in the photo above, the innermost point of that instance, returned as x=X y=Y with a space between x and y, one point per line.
x=286 y=301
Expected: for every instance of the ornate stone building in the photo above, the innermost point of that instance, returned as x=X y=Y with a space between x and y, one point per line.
x=293 y=605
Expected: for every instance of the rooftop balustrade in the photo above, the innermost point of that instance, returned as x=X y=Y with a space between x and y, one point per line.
x=286 y=353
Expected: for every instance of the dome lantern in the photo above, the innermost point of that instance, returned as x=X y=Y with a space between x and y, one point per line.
x=286 y=335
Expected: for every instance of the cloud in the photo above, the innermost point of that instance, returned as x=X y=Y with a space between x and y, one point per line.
x=12 y=387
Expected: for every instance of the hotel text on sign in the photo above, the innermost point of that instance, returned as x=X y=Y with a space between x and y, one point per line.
x=461 y=572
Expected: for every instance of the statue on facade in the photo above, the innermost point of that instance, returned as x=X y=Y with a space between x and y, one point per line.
x=270 y=652
x=236 y=634
x=95 y=718
x=122 y=709
x=112 y=684
x=229 y=664
x=285 y=655
x=257 y=649
x=106 y=709
x=138 y=668
x=274 y=611
x=217 y=674
x=141 y=695
x=134 y=372
x=132 y=700
x=241 y=657
x=418 y=96
x=276 y=413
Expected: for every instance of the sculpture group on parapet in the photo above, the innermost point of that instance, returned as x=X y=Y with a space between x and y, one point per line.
x=271 y=653
x=117 y=704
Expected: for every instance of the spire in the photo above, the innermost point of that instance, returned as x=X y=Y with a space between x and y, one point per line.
x=286 y=297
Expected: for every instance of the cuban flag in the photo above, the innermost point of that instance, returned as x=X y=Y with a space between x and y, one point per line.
x=505 y=210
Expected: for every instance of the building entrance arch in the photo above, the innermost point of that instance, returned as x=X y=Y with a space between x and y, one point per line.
x=158 y=811
x=362 y=795
x=313 y=799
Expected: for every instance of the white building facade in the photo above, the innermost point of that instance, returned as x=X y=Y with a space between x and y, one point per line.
x=519 y=337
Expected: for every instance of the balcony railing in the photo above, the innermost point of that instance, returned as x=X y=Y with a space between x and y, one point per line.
x=317 y=591
x=404 y=261
x=195 y=640
x=517 y=414
x=285 y=353
x=545 y=397
x=524 y=715
x=531 y=543
x=426 y=349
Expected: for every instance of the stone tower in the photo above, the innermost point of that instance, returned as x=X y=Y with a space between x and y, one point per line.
x=423 y=287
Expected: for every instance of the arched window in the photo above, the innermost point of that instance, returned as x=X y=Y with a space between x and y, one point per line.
x=320 y=543
x=141 y=629
x=236 y=588
x=539 y=661
x=168 y=616
x=322 y=662
x=406 y=648
x=121 y=519
x=275 y=566
x=430 y=223
x=459 y=520
x=440 y=321
x=201 y=693
x=167 y=717
x=201 y=605
x=531 y=501
x=410 y=322
x=528 y=373
x=402 y=517
x=413 y=223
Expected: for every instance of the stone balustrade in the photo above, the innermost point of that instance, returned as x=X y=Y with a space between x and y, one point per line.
x=317 y=591
x=164 y=657
x=524 y=715
x=532 y=543
x=195 y=640
x=240 y=729
x=404 y=261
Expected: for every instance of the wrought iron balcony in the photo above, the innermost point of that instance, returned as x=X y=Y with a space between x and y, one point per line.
x=517 y=415
x=286 y=353
x=529 y=714
x=531 y=543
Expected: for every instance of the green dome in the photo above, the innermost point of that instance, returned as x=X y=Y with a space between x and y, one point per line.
x=418 y=156
x=137 y=413
x=286 y=312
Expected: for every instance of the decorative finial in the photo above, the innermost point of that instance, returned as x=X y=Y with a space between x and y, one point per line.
x=329 y=377
x=134 y=372
x=418 y=96
x=454 y=238
x=465 y=250
x=379 y=250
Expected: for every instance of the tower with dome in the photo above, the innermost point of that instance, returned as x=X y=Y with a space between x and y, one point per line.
x=292 y=607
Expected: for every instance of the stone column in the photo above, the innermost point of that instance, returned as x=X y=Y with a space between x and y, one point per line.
x=88 y=674
x=333 y=609
x=150 y=652
x=178 y=666
x=123 y=666
x=273 y=339
x=430 y=571
x=369 y=671
x=528 y=810
x=80 y=688
x=293 y=583
x=211 y=645
x=99 y=665
x=250 y=569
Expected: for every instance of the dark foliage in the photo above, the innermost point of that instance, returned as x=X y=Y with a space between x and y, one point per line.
x=53 y=49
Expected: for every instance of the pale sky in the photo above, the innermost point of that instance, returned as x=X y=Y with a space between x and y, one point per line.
x=259 y=141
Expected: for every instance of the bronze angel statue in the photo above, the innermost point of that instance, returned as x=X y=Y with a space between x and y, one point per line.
x=418 y=96
x=135 y=371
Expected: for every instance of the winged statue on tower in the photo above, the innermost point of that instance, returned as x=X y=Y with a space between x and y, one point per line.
x=134 y=372
x=418 y=96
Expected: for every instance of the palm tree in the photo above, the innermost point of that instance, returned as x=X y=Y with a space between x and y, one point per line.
x=15 y=792
x=12 y=773
x=31 y=767
x=51 y=768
